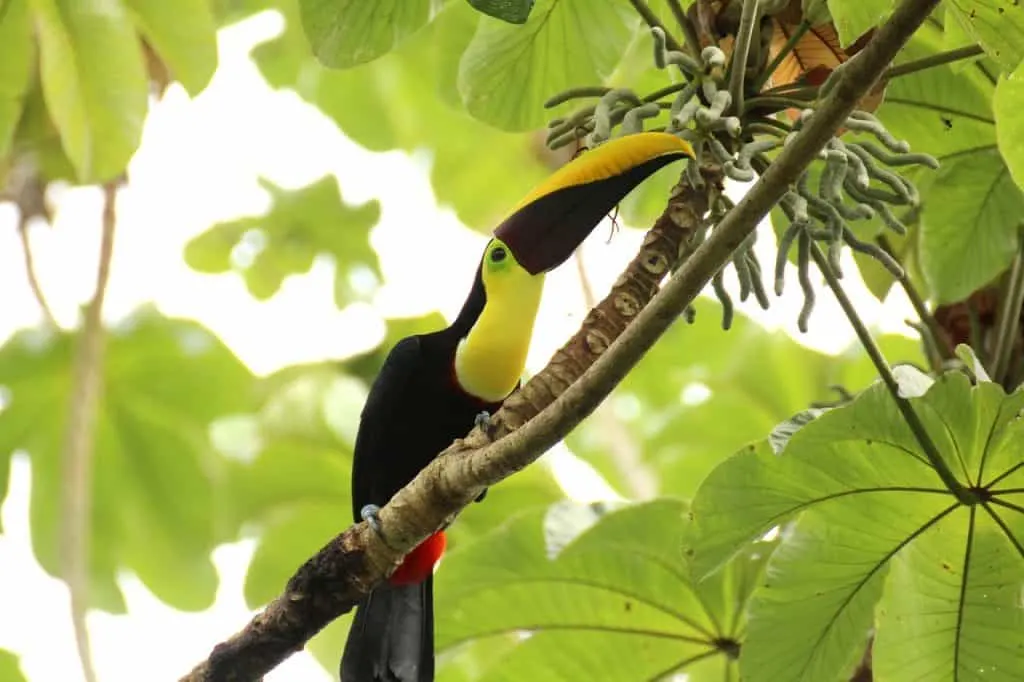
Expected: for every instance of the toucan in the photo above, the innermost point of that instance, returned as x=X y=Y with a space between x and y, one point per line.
x=434 y=387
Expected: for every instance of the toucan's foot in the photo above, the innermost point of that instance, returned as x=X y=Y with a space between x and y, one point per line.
x=483 y=420
x=481 y=496
x=371 y=514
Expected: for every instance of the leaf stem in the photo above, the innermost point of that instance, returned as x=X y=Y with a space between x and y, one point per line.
x=885 y=372
x=920 y=306
x=738 y=67
x=932 y=61
x=689 y=32
x=79 y=443
x=652 y=20
x=801 y=29
x=30 y=271
x=1009 y=318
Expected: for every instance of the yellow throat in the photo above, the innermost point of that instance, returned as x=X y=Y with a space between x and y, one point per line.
x=490 y=360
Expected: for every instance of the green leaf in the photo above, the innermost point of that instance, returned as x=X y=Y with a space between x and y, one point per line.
x=866 y=499
x=854 y=18
x=955 y=36
x=288 y=541
x=970 y=225
x=393 y=103
x=10 y=670
x=37 y=136
x=1009 y=109
x=616 y=603
x=345 y=33
x=156 y=477
x=953 y=598
x=94 y=81
x=678 y=406
x=16 y=58
x=184 y=34
x=508 y=72
x=300 y=225
x=512 y=11
x=945 y=114
x=296 y=450
x=997 y=25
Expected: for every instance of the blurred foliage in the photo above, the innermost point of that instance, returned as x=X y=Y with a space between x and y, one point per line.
x=300 y=225
x=10 y=671
x=193 y=451
x=703 y=392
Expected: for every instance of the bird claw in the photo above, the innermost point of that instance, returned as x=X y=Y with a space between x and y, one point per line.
x=371 y=514
x=483 y=420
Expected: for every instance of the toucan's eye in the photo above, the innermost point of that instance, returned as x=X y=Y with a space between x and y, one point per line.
x=498 y=254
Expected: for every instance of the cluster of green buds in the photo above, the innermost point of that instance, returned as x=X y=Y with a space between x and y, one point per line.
x=739 y=136
x=856 y=183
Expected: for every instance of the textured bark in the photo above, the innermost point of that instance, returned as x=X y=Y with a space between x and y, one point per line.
x=330 y=583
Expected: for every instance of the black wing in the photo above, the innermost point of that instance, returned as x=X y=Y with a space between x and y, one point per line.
x=382 y=415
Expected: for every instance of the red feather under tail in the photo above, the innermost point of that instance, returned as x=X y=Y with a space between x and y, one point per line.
x=418 y=564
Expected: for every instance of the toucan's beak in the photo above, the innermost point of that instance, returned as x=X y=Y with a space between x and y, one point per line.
x=557 y=216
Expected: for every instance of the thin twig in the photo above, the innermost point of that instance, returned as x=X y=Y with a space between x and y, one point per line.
x=801 y=29
x=738 y=68
x=33 y=278
x=885 y=372
x=87 y=383
x=919 y=304
x=934 y=60
x=331 y=582
x=652 y=20
x=690 y=40
x=1009 y=319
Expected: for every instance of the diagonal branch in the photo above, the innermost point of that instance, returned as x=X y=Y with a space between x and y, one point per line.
x=330 y=583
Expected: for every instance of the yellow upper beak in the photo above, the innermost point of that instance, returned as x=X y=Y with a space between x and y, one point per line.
x=553 y=219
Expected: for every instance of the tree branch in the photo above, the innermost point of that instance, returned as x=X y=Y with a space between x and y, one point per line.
x=76 y=520
x=331 y=582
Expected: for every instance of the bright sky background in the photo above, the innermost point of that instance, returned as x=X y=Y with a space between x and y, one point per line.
x=198 y=165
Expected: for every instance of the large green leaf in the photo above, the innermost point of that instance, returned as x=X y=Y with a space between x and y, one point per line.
x=507 y=72
x=997 y=25
x=94 y=80
x=970 y=225
x=616 y=603
x=394 y=103
x=966 y=236
x=679 y=405
x=1009 y=109
x=854 y=18
x=16 y=57
x=512 y=11
x=866 y=500
x=966 y=561
x=156 y=485
x=345 y=33
x=184 y=34
x=300 y=225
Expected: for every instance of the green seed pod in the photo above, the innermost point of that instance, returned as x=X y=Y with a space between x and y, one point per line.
x=718 y=285
x=804 y=275
x=633 y=120
x=879 y=254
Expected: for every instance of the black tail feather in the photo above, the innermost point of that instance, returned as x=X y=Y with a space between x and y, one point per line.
x=392 y=636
